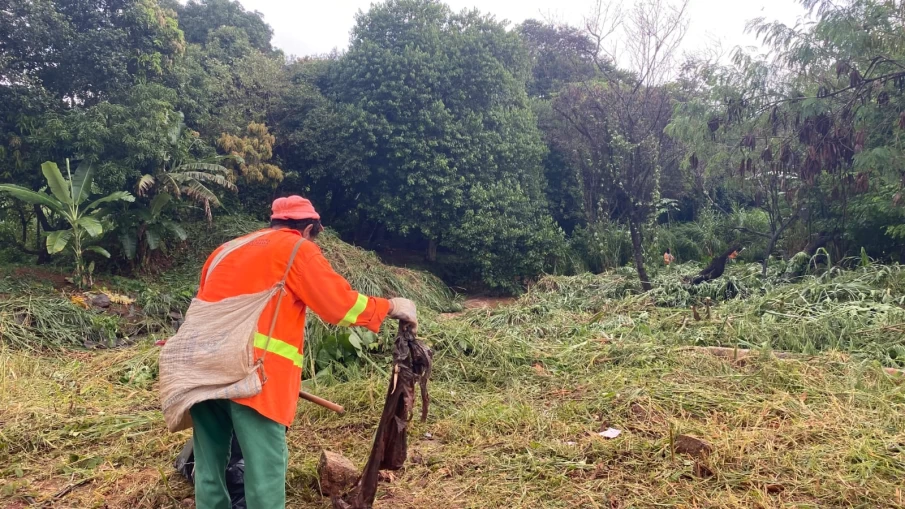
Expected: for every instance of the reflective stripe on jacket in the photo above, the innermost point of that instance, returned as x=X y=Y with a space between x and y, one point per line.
x=312 y=283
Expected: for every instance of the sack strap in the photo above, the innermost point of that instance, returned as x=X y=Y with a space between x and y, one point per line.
x=231 y=246
x=280 y=290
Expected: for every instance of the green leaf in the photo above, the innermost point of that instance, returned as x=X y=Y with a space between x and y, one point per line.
x=99 y=250
x=57 y=241
x=159 y=202
x=200 y=194
x=153 y=239
x=91 y=225
x=355 y=341
x=176 y=229
x=117 y=196
x=203 y=167
x=129 y=243
x=58 y=185
x=81 y=183
x=33 y=198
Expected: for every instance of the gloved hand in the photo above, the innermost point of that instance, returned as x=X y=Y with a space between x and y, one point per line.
x=404 y=310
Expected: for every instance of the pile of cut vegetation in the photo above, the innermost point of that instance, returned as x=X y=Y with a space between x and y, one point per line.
x=39 y=309
x=859 y=311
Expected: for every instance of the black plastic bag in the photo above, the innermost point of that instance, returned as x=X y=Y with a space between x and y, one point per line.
x=235 y=471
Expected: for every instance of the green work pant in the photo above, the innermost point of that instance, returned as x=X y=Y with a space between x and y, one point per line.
x=264 y=449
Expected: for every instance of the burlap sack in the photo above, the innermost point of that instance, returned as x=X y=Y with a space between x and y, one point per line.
x=212 y=354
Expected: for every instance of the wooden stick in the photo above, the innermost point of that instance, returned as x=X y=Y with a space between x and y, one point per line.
x=322 y=402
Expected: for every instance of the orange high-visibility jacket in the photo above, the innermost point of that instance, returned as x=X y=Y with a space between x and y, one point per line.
x=312 y=283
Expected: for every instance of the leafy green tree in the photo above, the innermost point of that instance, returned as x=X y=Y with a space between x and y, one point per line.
x=68 y=201
x=80 y=52
x=324 y=144
x=199 y=18
x=505 y=237
x=444 y=108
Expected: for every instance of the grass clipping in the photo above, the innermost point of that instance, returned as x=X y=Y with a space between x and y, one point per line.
x=520 y=396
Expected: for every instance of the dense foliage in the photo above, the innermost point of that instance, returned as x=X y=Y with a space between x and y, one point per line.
x=488 y=153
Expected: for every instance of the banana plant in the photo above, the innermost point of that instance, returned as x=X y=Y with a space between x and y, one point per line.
x=68 y=200
x=146 y=229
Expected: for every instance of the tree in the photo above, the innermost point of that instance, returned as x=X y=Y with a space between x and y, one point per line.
x=440 y=98
x=189 y=180
x=559 y=55
x=810 y=132
x=613 y=129
x=68 y=201
x=80 y=52
x=146 y=229
x=251 y=154
x=199 y=18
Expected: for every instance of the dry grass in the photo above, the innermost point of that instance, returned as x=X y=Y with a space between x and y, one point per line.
x=514 y=423
x=520 y=393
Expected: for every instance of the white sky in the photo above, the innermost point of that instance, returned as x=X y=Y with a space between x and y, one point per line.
x=305 y=27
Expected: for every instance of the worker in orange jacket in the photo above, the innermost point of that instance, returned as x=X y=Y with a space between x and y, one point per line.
x=260 y=422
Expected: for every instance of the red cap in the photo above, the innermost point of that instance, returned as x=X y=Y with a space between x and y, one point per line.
x=293 y=207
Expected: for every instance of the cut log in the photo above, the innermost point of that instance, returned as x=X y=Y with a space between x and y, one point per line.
x=337 y=474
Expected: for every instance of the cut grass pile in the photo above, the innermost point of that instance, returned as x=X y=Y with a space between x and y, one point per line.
x=36 y=310
x=520 y=394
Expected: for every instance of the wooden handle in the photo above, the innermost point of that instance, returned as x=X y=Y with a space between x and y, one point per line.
x=322 y=402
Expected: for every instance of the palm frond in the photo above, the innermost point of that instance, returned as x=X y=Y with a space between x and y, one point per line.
x=172 y=182
x=59 y=186
x=117 y=196
x=159 y=202
x=205 y=167
x=211 y=179
x=145 y=183
x=199 y=193
x=32 y=197
x=81 y=183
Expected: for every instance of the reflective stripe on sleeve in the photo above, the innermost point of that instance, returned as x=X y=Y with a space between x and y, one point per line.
x=281 y=348
x=352 y=316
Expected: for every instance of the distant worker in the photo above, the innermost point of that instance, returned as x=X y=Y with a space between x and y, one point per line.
x=668 y=257
x=260 y=422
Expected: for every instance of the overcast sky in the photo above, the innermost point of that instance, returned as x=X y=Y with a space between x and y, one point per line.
x=305 y=27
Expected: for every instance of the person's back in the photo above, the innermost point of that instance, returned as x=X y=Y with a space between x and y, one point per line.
x=260 y=422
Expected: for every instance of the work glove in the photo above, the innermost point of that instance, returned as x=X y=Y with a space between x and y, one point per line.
x=403 y=310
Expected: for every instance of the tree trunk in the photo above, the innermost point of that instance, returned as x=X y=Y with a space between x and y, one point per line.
x=40 y=246
x=637 y=251
x=432 y=249
x=43 y=255
x=24 y=223
x=776 y=236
